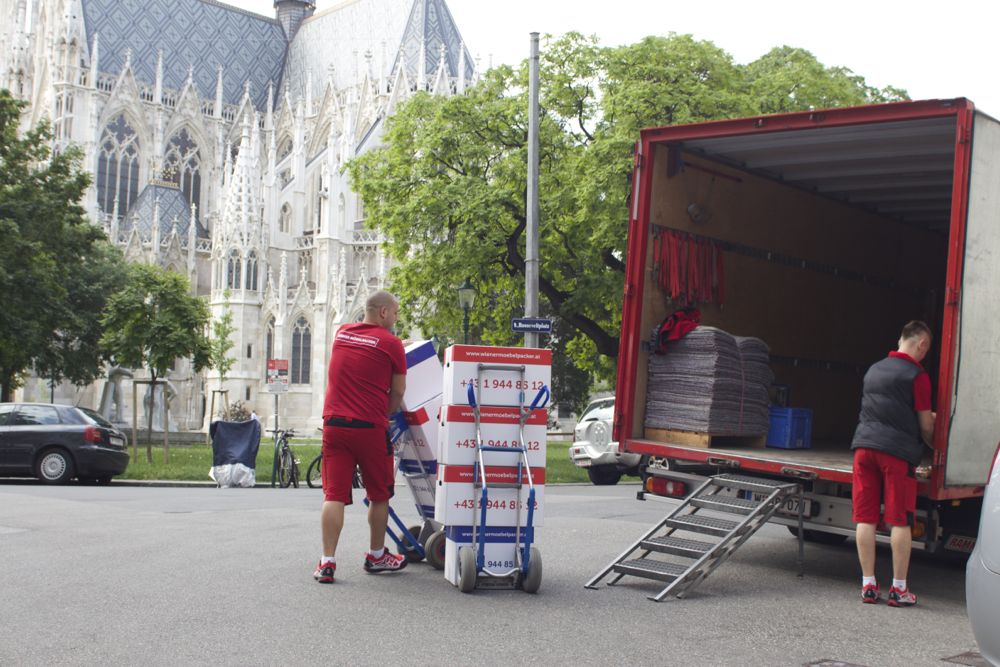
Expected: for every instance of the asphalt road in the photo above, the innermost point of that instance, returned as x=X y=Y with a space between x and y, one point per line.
x=124 y=575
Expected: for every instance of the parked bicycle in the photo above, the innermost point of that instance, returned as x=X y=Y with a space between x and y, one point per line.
x=288 y=466
x=314 y=475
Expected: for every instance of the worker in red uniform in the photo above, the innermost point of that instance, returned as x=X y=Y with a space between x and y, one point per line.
x=895 y=423
x=365 y=384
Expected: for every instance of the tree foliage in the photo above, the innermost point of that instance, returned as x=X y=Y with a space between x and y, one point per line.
x=221 y=342
x=448 y=187
x=154 y=321
x=56 y=269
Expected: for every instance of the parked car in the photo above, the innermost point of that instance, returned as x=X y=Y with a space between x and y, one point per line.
x=982 y=573
x=56 y=443
x=593 y=448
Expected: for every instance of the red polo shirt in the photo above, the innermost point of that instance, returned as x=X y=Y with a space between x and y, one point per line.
x=362 y=363
x=921 y=384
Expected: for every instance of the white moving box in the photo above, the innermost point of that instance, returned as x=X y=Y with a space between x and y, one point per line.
x=499 y=387
x=456 y=499
x=421 y=435
x=423 y=375
x=499 y=427
x=498 y=548
x=423 y=494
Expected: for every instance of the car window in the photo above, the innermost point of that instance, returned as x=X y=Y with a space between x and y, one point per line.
x=6 y=410
x=36 y=415
x=599 y=411
x=92 y=417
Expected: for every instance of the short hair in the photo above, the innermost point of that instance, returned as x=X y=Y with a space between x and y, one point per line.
x=915 y=328
x=380 y=299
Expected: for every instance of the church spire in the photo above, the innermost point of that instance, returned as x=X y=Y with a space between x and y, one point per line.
x=291 y=14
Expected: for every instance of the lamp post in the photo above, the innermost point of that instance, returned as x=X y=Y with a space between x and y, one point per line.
x=466 y=297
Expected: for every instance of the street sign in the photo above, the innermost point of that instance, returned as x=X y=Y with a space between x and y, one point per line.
x=531 y=325
x=277 y=376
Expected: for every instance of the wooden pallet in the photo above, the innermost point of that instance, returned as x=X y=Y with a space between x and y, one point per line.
x=703 y=440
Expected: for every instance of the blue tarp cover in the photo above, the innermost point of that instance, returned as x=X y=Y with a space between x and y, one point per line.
x=235 y=442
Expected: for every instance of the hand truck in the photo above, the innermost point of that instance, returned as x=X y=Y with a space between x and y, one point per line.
x=527 y=571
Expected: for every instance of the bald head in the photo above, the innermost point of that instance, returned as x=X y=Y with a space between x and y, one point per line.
x=382 y=309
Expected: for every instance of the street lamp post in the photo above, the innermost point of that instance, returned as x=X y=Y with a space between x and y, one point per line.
x=466 y=297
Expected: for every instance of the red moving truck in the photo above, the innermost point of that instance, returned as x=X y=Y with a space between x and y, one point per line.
x=835 y=227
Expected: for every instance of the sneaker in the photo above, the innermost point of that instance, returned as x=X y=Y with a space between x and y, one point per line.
x=387 y=562
x=324 y=572
x=870 y=594
x=898 y=598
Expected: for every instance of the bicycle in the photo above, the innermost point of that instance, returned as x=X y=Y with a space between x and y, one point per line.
x=288 y=466
x=314 y=475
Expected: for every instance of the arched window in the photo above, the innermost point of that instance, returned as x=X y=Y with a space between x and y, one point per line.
x=285 y=219
x=252 y=271
x=233 y=270
x=301 y=352
x=269 y=340
x=341 y=212
x=182 y=165
x=118 y=166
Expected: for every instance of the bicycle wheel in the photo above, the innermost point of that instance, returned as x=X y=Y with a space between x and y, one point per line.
x=314 y=475
x=286 y=467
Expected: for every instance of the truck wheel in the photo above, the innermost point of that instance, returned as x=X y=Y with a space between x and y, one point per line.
x=604 y=475
x=466 y=569
x=533 y=577
x=434 y=549
x=818 y=536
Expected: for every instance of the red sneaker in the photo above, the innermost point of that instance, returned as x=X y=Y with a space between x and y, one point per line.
x=387 y=562
x=898 y=598
x=870 y=594
x=324 y=572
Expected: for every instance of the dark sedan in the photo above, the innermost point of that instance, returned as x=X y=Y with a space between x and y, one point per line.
x=56 y=443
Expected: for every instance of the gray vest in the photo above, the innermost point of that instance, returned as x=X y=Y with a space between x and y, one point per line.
x=888 y=422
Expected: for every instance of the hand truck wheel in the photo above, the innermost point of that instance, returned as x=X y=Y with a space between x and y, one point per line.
x=466 y=569
x=412 y=555
x=434 y=549
x=533 y=577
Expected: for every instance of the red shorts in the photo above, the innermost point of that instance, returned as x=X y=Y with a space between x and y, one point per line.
x=346 y=448
x=878 y=478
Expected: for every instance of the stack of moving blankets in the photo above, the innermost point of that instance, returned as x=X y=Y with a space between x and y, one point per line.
x=711 y=382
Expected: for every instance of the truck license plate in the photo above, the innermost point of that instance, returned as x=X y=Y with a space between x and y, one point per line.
x=789 y=508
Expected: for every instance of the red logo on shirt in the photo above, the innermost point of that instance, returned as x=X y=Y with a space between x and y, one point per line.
x=356 y=339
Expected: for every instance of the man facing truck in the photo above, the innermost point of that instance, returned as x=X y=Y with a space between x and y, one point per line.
x=895 y=422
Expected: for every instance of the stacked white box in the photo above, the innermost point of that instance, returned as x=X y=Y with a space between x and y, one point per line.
x=500 y=427
x=499 y=393
x=498 y=548
x=499 y=387
x=456 y=498
x=417 y=449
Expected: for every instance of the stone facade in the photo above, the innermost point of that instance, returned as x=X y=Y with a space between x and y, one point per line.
x=217 y=142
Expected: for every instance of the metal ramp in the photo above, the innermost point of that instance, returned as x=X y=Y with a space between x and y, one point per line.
x=708 y=511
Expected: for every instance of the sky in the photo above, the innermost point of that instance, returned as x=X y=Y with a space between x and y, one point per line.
x=930 y=49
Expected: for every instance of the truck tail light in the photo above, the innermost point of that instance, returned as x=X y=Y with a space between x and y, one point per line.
x=93 y=434
x=666 y=487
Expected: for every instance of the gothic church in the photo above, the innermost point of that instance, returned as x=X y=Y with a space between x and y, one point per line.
x=217 y=138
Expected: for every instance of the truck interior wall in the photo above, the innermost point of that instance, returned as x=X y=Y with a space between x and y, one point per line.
x=834 y=326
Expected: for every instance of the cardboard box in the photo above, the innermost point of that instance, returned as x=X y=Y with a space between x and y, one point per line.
x=420 y=440
x=498 y=550
x=499 y=427
x=456 y=499
x=423 y=490
x=507 y=386
x=423 y=375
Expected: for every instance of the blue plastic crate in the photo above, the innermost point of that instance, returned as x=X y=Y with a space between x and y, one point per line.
x=791 y=428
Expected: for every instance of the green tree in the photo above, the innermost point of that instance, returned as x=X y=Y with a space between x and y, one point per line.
x=221 y=342
x=55 y=268
x=154 y=321
x=448 y=187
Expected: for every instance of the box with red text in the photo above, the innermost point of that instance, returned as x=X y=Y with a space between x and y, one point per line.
x=423 y=375
x=496 y=386
x=499 y=426
x=498 y=552
x=456 y=498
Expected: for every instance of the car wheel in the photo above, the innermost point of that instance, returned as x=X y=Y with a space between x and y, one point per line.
x=55 y=466
x=604 y=475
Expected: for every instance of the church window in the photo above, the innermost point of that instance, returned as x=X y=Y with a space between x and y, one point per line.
x=182 y=166
x=118 y=166
x=285 y=219
x=301 y=351
x=341 y=212
x=252 y=271
x=233 y=270
x=359 y=220
x=269 y=340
